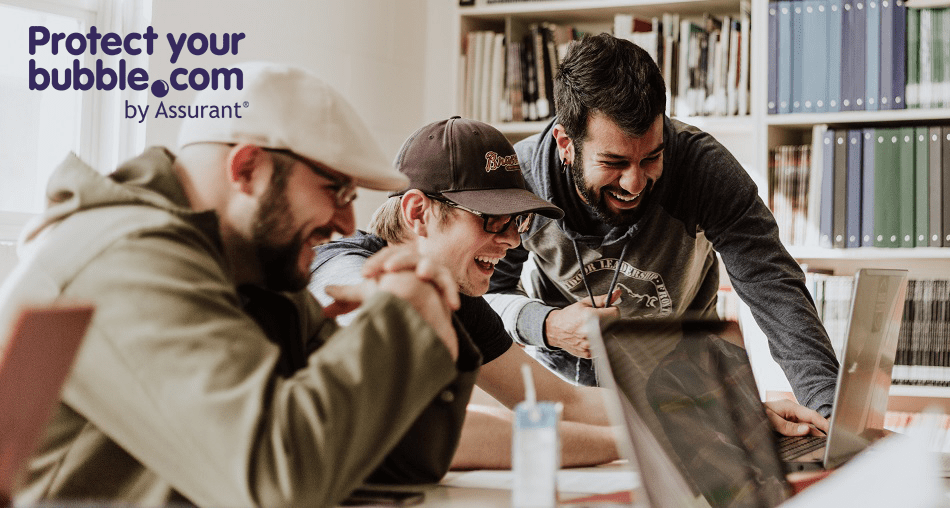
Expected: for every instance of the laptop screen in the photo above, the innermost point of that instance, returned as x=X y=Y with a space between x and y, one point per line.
x=692 y=411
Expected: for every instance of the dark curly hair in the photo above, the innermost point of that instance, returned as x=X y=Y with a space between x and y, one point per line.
x=615 y=77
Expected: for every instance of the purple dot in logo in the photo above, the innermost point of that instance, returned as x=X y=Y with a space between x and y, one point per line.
x=159 y=88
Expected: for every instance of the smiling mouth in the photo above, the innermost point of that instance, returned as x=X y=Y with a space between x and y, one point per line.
x=485 y=263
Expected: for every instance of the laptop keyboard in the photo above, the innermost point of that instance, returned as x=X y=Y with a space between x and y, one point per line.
x=790 y=447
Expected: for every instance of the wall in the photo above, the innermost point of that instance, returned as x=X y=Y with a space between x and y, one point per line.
x=371 y=51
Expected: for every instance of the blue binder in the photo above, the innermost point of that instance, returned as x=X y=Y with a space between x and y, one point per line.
x=826 y=208
x=785 y=56
x=858 y=44
x=873 y=55
x=773 y=61
x=867 y=188
x=847 y=55
x=853 y=212
x=814 y=36
x=886 y=99
x=798 y=41
x=835 y=17
x=899 y=71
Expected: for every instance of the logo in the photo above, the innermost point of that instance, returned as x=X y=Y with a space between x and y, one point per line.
x=122 y=76
x=494 y=161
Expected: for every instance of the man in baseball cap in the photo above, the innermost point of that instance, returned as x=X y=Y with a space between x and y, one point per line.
x=465 y=206
x=208 y=376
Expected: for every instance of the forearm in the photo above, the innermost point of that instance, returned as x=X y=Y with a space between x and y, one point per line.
x=487 y=437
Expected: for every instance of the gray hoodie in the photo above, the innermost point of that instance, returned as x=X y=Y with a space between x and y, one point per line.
x=705 y=203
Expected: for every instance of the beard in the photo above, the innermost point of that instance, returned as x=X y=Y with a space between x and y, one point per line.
x=597 y=201
x=278 y=260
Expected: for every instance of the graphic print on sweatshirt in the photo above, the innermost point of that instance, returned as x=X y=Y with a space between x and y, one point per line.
x=643 y=293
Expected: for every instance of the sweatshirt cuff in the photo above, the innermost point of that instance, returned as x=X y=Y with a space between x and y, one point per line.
x=530 y=325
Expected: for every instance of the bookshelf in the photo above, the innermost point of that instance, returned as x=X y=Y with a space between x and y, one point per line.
x=750 y=138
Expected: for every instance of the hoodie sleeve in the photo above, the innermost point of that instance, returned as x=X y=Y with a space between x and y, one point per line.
x=523 y=316
x=743 y=231
x=177 y=375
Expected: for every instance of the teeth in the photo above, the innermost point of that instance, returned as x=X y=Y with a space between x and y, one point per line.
x=491 y=261
x=625 y=198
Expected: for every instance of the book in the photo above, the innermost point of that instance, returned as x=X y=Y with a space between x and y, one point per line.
x=858 y=55
x=848 y=49
x=886 y=187
x=873 y=55
x=785 y=78
x=834 y=60
x=772 y=92
x=814 y=37
x=497 y=82
x=815 y=178
x=826 y=211
x=911 y=91
x=908 y=190
x=867 y=187
x=745 y=38
x=925 y=87
x=921 y=186
x=945 y=164
x=840 y=211
x=899 y=69
x=937 y=182
x=853 y=207
x=886 y=95
x=797 y=57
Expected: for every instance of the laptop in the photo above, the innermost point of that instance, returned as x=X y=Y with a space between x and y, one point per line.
x=35 y=359
x=864 y=376
x=685 y=393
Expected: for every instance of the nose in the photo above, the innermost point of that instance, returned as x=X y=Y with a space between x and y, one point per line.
x=511 y=238
x=344 y=220
x=633 y=179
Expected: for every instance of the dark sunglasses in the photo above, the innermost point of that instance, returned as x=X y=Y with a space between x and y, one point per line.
x=495 y=224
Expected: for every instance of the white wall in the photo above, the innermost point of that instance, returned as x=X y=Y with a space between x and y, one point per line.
x=371 y=51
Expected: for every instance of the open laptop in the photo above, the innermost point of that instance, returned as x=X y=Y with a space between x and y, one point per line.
x=35 y=359
x=689 y=403
x=864 y=377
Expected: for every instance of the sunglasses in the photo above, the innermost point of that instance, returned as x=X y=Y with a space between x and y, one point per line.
x=344 y=190
x=495 y=224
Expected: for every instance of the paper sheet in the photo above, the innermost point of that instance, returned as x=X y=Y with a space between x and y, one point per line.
x=577 y=481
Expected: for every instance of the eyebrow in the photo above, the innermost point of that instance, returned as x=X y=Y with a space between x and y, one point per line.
x=614 y=156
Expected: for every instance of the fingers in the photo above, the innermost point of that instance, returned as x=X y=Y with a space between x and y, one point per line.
x=345 y=299
x=434 y=273
x=391 y=259
x=803 y=420
x=785 y=427
x=601 y=300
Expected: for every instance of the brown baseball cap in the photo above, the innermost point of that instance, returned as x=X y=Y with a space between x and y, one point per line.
x=472 y=164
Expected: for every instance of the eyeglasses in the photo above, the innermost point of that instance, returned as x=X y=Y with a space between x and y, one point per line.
x=344 y=190
x=495 y=224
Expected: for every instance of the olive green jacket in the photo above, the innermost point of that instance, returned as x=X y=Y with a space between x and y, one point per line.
x=175 y=396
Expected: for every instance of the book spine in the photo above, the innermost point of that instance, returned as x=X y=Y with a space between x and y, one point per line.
x=853 y=212
x=867 y=187
x=922 y=191
x=907 y=186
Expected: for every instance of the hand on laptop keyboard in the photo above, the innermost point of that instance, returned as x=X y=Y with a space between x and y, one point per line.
x=792 y=419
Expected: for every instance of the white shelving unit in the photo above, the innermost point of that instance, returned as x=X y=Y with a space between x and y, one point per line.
x=749 y=138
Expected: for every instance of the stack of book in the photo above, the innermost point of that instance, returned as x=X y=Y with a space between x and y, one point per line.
x=705 y=64
x=856 y=50
x=923 y=345
x=513 y=81
x=928 y=58
x=789 y=168
x=866 y=187
x=923 y=348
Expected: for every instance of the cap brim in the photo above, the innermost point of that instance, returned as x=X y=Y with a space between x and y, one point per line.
x=504 y=202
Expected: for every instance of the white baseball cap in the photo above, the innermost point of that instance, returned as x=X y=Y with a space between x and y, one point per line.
x=289 y=108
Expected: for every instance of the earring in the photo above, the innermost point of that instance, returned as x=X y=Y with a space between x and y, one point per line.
x=565 y=167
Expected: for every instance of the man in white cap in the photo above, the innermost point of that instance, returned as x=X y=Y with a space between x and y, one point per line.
x=209 y=374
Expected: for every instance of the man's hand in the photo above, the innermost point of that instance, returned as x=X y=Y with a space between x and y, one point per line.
x=564 y=328
x=420 y=281
x=792 y=419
